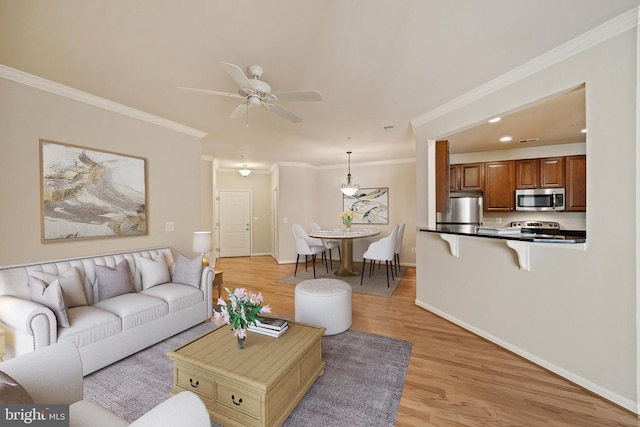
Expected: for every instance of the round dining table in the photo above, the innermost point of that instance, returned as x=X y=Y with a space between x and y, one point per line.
x=346 y=245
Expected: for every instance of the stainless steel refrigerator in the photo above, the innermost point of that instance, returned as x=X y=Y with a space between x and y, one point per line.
x=465 y=210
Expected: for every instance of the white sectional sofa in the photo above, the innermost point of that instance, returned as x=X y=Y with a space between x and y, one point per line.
x=115 y=304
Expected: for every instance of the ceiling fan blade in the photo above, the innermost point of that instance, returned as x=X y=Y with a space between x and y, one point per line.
x=212 y=92
x=312 y=95
x=240 y=111
x=283 y=112
x=237 y=75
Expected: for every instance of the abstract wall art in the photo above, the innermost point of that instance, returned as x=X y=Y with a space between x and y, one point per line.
x=370 y=204
x=89 y=193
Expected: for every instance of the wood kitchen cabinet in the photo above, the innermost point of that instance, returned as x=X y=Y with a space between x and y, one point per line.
x=576 y=190
x=466 y=176
x=499 y=186
x=540 y=173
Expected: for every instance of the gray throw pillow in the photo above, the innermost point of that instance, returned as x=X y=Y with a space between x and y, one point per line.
x=188 y=271
x=11 y=392
x=114 y=281
x=50 y=295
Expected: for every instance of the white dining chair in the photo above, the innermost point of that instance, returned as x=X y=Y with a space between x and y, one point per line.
x=328 y=243
x=396 y=257
x=306 y=246
x=381 y=250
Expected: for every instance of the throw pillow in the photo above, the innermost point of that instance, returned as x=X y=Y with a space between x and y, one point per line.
x=50 y=296
x=11 y=392
x=114 y=281
x=188 y=271
x=71 y=285
x=154 y=271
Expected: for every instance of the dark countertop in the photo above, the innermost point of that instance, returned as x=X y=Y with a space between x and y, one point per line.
x=527 y=234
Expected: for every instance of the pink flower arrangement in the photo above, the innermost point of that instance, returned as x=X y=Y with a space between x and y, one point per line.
x=242 y=308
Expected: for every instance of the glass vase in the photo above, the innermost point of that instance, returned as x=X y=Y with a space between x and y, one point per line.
x=347 y=224
x=242 y=343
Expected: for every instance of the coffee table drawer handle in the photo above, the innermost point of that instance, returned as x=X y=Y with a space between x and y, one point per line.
x=233 y=399
x=194 y=385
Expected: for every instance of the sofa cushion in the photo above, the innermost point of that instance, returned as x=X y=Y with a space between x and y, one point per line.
x=71 y=283
x=90 y=325
x=177 y=296
x=188 y=271
x=114 y=281
x=135 y=309
x=50 y=296
x=11 y=392
x=154 y=271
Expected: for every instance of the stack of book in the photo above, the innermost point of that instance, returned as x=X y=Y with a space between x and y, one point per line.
x=271 y=327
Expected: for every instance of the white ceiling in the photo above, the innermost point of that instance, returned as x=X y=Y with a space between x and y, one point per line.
x=375 y=62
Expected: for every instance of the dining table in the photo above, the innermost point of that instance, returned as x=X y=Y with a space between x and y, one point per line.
x=345 y=236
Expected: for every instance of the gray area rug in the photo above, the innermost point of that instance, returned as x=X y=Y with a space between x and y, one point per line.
x=374 y=285
x=361 y=386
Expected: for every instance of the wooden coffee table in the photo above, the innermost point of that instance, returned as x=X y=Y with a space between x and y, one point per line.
x=257 y=386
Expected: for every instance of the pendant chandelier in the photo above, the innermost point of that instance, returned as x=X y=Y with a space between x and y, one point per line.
x=244 y=171
x=349 y=189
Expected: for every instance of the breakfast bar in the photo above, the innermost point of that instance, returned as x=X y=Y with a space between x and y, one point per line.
x=519 y=240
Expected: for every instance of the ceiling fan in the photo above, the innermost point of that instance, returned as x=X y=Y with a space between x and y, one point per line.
x=256 y=92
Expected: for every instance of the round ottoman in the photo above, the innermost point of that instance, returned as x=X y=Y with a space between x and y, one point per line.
x=324 y=302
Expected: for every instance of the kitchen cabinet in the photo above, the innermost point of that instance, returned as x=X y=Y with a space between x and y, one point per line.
x=576 y=190
x=442 y=177
x=540 y=173
x=499 y=186
x=466 y=177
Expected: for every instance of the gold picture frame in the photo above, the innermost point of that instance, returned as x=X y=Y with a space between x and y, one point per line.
x=87 y=193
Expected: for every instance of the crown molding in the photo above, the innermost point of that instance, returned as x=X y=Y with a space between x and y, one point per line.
x=96 y=101
x=599 y=34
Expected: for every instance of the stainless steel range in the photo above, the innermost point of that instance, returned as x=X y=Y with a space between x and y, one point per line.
x=536 y=226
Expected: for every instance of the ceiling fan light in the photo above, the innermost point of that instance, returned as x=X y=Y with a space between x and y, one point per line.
x=244 y=171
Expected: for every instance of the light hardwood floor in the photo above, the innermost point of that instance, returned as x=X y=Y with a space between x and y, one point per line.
x=455 y=378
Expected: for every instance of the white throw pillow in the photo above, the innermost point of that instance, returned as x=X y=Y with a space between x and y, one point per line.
x=71 y=283
x=188 y=271
x=154 y=271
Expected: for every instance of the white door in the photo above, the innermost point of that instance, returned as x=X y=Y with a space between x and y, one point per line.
x=235 y=222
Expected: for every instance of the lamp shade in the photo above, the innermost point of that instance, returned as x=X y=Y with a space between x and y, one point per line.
x=244 y=171
x=202 y=242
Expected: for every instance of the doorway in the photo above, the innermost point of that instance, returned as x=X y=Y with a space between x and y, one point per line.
x=234 y=207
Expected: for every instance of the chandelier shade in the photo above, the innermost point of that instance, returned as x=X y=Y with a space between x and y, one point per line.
x=349 y=188
x=244 y=171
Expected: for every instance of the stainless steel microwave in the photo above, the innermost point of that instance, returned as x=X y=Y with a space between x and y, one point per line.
x=540 y=199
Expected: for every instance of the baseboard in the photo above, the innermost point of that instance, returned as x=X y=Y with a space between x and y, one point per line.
x=605 y=393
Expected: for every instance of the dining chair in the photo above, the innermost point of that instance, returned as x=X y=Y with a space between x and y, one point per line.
x=396 y=257
x=306 y=246
x=381 y=250
x=328 y=243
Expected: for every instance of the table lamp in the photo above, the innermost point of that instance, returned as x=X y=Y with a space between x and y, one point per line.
x=202 y=243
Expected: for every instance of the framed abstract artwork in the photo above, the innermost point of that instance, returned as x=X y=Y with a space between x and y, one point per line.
x=88 y=193
x=370 y=204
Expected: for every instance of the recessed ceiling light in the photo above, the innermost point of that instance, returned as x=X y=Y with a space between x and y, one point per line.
x=495 y=120
x=505 y=139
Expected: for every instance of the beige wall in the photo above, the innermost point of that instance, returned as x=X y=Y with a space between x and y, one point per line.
x=173 y=164
x=260 y=186
x=576 y=311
